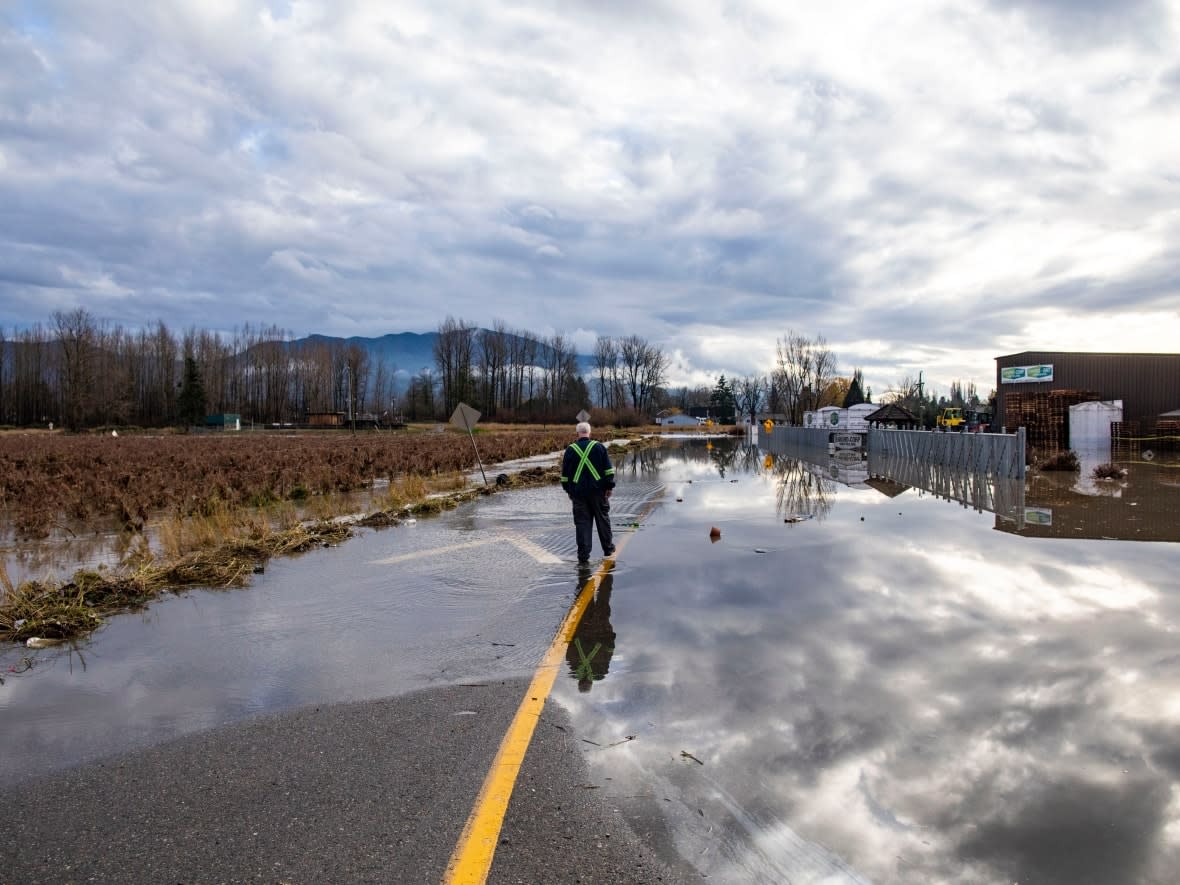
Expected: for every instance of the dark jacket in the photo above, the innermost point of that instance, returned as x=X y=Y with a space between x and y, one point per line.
x=586 y=469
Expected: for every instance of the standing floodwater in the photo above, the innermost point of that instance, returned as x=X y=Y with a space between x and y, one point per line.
x=862 y=681
x=852 y=679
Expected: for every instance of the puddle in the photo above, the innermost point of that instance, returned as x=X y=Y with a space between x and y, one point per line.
x=870 y=675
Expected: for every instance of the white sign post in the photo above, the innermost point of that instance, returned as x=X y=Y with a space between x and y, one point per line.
x=466 y=417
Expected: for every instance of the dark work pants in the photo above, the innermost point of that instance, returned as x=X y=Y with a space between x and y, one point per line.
x=592 y=511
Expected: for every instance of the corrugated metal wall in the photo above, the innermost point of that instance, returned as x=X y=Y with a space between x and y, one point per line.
x=1147 y=383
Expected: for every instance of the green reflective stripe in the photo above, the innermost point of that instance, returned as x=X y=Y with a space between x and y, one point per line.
x=585 y=462
x=584 y=670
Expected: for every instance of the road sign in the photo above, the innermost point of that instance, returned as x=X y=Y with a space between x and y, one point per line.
x=465 y=417
x=583 y=416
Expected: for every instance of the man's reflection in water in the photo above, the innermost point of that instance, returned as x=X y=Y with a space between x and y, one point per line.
x=593 y=644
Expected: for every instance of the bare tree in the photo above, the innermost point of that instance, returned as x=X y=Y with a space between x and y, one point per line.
x=77 y=334
x=493 y=359
x=356 y=376
x=34 y=377
x=644 y=368
x=749 y=394
x=5 y=395
x=804 y=371
x=560 y=370
x=606 y=365
x=452 y=354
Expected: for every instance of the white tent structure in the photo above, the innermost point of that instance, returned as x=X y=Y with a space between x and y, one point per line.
x=1089 y=424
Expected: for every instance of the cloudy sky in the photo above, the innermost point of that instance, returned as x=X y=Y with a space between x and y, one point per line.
x=925 y=184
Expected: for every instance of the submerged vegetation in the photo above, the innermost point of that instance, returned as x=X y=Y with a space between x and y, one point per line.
x=1066 y=461
x=220 y=540
x=63 y=611
x=1108 y=471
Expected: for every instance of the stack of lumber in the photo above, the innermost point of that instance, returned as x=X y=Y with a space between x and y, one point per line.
x=1124 y=432
x=1044 y=415
x=1168 y=433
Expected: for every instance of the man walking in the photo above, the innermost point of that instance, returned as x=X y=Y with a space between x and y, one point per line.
x=588 y=477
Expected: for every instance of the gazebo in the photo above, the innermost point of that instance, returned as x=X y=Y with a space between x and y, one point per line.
x=893 y=417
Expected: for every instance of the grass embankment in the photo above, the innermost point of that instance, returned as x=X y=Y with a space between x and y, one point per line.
x=221 y=545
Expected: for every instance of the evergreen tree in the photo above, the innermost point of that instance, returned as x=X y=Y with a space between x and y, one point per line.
x=190 y=404
x=722 y=402
x=855 y=395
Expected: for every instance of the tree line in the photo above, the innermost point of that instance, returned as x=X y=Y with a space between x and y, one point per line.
x=79 y=371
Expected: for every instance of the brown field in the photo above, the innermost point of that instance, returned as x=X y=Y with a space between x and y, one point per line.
x=47 y=478
x=214 y=492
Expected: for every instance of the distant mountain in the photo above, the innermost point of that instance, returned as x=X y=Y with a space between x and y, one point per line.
x=406 y=353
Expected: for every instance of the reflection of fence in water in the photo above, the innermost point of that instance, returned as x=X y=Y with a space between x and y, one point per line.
x=972 y=488
x=997 y=454
x=979 y=471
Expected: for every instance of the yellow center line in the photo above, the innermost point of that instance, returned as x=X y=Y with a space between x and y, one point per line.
x=472 y=858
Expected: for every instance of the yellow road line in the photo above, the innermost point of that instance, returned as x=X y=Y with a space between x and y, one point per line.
x=472 y=858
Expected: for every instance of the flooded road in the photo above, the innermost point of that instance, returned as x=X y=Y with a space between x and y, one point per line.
x=856 y=680
x=886 y=688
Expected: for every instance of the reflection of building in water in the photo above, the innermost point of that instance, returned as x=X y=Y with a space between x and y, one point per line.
x=1144 y=506
x=849 y=466
x=590 y=650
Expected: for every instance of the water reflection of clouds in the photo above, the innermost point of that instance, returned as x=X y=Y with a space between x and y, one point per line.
x=932 y=701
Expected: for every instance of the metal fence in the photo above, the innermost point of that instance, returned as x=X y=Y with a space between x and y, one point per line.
x=995 y=454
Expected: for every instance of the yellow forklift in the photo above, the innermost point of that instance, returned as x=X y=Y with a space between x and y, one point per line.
x=951 y=419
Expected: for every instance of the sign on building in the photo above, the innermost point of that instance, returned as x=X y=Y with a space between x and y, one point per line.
x=1020 y=374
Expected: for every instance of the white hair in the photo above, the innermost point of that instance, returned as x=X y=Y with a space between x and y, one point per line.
x=583 y=428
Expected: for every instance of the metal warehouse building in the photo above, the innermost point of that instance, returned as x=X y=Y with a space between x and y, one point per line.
x=1037 y=388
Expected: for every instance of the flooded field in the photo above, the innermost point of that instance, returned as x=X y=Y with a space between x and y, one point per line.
x=854 y=679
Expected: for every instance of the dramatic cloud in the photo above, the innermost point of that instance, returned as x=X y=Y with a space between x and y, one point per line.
x=927 y=187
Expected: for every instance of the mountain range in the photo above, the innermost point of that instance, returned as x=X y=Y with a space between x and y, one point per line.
x=404 y=353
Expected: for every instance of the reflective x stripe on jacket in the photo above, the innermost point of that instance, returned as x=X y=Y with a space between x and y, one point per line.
x=585 y=462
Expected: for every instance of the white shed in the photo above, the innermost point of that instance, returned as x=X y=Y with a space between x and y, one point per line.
x=858 y=413
x=1089 y=423
x=832 y=418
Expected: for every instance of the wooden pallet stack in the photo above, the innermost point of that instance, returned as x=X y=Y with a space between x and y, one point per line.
x=1044 y=415
x=1167 y=432
x=1124 y=434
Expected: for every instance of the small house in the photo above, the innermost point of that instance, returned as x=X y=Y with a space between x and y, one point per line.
x=223 y=421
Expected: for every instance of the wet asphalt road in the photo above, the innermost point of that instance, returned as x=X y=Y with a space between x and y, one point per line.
x=370 y=791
